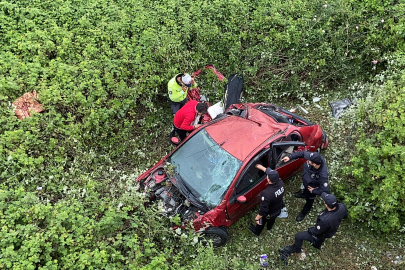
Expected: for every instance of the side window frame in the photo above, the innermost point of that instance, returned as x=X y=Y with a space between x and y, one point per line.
x=248 y=167
x=285 y=144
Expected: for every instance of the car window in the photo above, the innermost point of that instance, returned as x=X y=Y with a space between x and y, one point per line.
x=285 y=150
x=206 y=168
x=252 y=177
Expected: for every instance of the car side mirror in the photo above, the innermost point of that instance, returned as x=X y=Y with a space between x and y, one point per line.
x=241 y=199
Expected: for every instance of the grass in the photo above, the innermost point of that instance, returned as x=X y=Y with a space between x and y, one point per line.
x=352 y=247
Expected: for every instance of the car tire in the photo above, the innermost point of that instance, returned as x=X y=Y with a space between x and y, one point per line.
x=217 y=235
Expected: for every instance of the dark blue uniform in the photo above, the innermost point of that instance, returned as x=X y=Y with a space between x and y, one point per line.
x=316 y=178
x=326 y=226
x=270 y=206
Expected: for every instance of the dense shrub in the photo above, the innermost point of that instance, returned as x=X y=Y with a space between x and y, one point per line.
x=86 y=234
x=375 y=190
x=101 y=68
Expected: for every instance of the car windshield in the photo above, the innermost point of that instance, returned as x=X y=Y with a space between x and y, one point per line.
x=205 y=167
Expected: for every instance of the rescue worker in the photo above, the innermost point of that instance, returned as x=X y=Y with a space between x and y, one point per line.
x=184 y=118
x=314 y=178
x=272 y=201
x=177 y=90
x=326 y=226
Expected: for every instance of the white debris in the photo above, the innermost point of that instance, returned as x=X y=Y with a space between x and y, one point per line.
x=316 y=99
x=302 y=109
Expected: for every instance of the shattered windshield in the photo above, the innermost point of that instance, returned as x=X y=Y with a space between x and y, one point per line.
x=206 y=168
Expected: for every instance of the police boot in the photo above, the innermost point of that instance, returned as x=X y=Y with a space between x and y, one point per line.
x=317 y=245
x=300 y=216
x=284 y=256
x=286 y=253
x=292 y=249
x=252 y=228
x=299 y=194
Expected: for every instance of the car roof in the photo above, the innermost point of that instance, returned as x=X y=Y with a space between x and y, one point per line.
x=240 y=136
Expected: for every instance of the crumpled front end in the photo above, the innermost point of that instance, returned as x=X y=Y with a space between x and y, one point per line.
x=158 y=186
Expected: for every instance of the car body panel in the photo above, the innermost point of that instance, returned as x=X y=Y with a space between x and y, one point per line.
x=231 y=133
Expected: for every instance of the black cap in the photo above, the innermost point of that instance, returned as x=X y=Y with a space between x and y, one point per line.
x=273 y=175
x=315 y=157
x=329 y=199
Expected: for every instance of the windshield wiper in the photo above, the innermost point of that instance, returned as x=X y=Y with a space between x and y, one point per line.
x=183 y=187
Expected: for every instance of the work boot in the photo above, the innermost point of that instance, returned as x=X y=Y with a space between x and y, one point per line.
x=300 y=216
x=292 y=249
x=252 y=228
x=284 y=256
x=317 y=246
x=299 y=194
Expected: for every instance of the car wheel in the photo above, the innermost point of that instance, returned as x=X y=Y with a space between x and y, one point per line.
x=217 y=235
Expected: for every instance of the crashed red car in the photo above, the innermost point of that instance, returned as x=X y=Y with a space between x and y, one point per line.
x=211 y=179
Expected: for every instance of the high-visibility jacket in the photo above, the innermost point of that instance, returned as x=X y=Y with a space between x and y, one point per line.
x=185 y=116
x=176 y=93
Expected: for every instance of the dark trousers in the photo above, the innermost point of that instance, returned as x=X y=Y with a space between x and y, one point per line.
x=270 y=223
x=182 y=133
x=309 y=198
x=301 y=236
x=176 y=106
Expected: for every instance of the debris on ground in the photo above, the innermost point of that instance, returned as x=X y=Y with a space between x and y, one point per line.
x=339 y=106
x=25 y=105
x=302 y=109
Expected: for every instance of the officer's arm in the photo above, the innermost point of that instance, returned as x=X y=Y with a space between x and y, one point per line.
x=346 y=214
x=296 y=155
x=264 y=205
x=320 y=228
x=323 y=184
x=194 y=84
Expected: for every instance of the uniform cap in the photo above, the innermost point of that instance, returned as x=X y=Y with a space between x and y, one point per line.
x=273 y=175
x=329 y=199
x=315 y=157
x=186 y=79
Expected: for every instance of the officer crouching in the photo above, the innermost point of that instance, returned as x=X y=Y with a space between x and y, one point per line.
x=271 y=201
x=326 y=226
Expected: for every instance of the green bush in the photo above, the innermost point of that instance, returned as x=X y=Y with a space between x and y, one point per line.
x=88 y=234
x=376 y=192
x=101 y=69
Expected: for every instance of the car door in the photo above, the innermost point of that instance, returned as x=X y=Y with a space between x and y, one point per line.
x=279 y=151
x=250 y=184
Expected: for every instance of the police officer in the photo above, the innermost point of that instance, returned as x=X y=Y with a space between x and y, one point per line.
x=314 y=178
x=326 y=226
x=177 y=89
x=272 y=201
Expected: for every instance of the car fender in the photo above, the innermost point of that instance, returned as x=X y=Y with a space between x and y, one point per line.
x=213 y=218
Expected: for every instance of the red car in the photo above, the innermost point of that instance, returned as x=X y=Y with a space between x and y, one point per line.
x=210 y=179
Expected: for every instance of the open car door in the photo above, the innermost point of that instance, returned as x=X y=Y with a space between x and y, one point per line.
x=283 y=149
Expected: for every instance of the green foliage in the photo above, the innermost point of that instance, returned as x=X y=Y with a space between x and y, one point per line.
x=67 y=176
x=377 y=193
x=89 y=234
